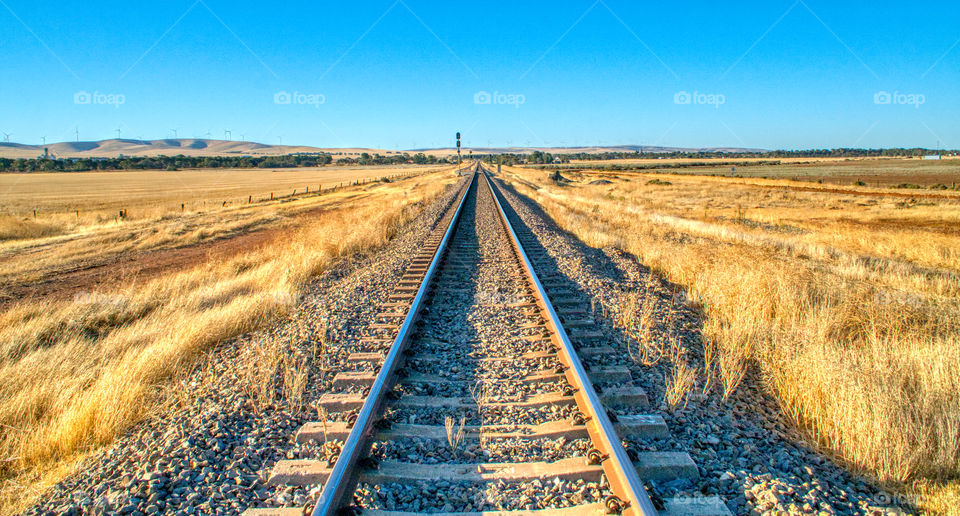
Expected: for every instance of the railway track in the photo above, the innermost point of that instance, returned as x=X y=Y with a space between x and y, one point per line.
x=483 y=388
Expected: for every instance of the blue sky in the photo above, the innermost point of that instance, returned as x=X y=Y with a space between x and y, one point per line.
x=406 y=73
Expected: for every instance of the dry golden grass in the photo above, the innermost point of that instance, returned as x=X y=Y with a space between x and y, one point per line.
x=651 y=159
x=152 y=193
x=872 y=171
x=76 y=373
x=33 y=249
x=16 y=228
x=846 y=304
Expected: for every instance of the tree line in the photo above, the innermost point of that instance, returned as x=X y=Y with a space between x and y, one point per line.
x=809 y=153
x=420 y=158
x=193 y=162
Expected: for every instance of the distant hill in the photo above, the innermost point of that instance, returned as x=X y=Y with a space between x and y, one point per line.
x=202 y=147
x=587 y=149
x=168 y=147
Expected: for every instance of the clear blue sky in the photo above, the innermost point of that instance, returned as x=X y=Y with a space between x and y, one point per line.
x=407 y=73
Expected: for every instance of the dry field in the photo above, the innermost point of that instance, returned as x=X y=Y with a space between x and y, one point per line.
x=843 y=302
x=150 y=192
x=77 y=371
x=77 y=228
x=733 y=157
x=874 y=172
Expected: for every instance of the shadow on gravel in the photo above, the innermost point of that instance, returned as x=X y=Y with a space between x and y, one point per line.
x=610 y=271
x=599 y=261
x=746 y=450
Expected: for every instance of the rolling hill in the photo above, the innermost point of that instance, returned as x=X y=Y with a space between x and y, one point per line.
x=202 y=147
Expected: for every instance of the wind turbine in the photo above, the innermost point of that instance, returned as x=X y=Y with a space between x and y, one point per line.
x=243 y=137
x=118 y=133
x=77 y=132
x=281 y=140
x=174 y=134
x=6 y=137
x=228 y=134
x=208 y=135
x=44 y=139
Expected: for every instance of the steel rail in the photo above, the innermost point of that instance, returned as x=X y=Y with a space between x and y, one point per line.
x=341 y=482
x=620 y=471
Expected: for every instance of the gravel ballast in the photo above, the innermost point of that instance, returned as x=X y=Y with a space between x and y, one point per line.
x=208 y=450
x=211 y=448
x=745 y=450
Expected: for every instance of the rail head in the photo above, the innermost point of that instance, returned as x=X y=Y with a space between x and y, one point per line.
x=620 y=470
x=340 y=483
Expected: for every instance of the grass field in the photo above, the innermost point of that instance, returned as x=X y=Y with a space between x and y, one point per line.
x=34 y=249
x=846 y=302
x=77 y=371
x=149 y=191
x=874 y=172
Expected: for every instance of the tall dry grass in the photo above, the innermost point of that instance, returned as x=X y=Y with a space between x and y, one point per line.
x=74 y=232
x=76 y=373
x=16 y=228
x=853 y=325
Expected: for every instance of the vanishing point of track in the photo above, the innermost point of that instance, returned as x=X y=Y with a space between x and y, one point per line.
x=483 y=389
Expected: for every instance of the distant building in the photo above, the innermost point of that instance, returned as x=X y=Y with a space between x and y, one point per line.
x=46 y=154
x=932 y=157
